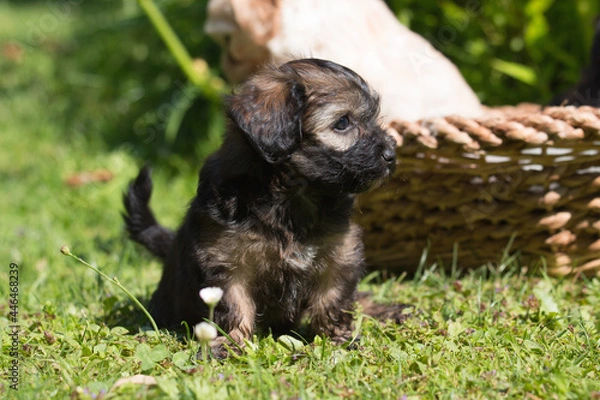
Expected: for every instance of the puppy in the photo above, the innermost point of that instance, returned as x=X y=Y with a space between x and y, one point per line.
x=270 y=222
x=587 y=91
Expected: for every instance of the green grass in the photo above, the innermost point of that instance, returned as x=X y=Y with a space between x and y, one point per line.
x=491 y=333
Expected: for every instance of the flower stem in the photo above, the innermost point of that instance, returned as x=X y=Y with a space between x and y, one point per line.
x=211 y=86
x=211 y=313
x=204 y=351
x=65 y=250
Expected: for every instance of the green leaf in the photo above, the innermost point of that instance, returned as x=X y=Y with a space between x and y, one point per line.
x=143 y=353
x=168 y=386
x=533 y=347
x=86 y=351
x=517 y=71
x=119 y=331
x=290 y=343
x=100 y=349
x=181 y=360
x=108 y=303
x=536 y=30
x=537 y=7
x=454 y=329
x=159 y=353
x=547 y=303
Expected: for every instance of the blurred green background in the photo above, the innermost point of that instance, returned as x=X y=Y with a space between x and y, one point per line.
x=110 y=70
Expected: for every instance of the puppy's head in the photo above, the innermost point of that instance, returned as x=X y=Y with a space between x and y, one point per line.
x=319 y=119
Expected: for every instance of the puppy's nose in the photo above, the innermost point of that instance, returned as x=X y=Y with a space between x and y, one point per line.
x=389 y=155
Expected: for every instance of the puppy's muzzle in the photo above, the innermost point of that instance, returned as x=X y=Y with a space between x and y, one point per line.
x=389 y=156
x=389 y=153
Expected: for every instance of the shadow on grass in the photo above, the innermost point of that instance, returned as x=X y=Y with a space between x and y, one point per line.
x=124 y=313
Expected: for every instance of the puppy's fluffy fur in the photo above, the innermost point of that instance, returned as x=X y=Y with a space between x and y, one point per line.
x=270 y=223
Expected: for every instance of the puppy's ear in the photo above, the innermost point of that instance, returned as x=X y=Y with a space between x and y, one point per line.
x=268 y=109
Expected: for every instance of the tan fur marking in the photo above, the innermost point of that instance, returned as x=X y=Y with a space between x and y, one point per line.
x=239 y=298
x=325 y=314
x=337 y=141
x=324 y=308
x=323 y=299
x=344 y=253
x=246 y=254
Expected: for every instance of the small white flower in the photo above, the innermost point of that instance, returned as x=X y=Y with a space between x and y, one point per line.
x=211 y=295
x=205 y=332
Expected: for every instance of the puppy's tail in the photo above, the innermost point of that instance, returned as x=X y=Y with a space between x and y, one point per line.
x=139 y=219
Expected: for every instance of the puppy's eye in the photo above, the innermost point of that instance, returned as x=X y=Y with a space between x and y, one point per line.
x=342 y=124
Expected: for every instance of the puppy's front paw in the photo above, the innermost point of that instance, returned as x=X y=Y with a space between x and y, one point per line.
x=338 y=334
x=347 y=341
x=218 y=349
x=221 y=348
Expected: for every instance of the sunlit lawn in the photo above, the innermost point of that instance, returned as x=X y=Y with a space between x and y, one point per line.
x=491 y=333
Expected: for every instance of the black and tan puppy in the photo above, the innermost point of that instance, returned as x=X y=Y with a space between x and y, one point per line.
x=270 y=223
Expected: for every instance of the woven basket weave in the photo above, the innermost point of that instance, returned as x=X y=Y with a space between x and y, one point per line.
x=521 y=172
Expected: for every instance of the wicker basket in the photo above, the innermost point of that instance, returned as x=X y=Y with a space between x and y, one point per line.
x=521 y=172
